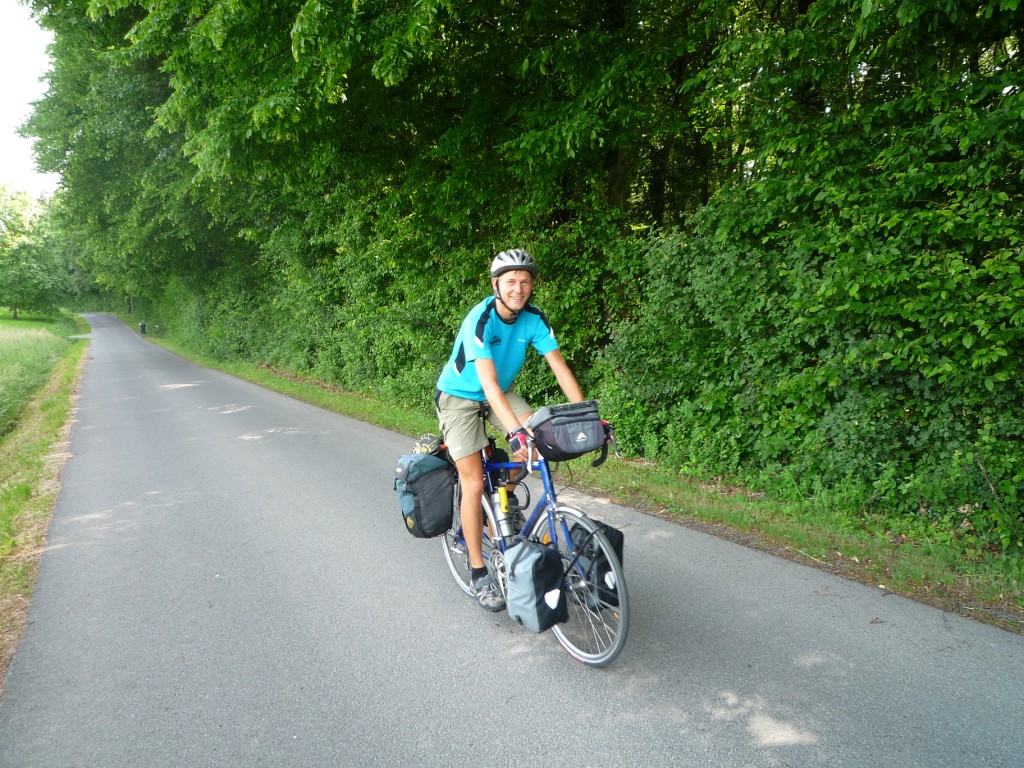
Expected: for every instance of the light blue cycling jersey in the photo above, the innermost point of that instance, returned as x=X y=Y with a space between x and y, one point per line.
x=484 y=334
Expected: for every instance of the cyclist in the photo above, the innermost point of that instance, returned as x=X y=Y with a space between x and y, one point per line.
x=489 y=352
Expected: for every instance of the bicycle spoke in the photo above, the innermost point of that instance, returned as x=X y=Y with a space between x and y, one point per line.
x=598 y=630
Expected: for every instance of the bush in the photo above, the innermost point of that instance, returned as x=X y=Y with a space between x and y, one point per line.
x=724 y=369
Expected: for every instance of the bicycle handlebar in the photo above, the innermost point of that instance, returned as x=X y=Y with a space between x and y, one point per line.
x=527 y=467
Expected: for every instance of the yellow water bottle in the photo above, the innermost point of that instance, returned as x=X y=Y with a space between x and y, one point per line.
x=504 y=522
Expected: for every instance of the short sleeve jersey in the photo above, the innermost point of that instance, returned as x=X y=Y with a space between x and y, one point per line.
x=484 y=334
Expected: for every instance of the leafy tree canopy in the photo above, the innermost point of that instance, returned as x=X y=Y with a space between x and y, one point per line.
x=778 y=240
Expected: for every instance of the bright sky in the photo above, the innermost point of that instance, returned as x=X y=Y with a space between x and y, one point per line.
x=23 y=61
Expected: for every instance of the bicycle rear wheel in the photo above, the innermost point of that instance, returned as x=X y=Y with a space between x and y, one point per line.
x=454 y=544
x=598 y=623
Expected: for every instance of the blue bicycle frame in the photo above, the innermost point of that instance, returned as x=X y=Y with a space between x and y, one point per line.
x=548 y=499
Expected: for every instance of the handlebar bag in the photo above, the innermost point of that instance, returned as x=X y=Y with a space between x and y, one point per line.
x=535 y=596
x=567 y=431
x=426 y=493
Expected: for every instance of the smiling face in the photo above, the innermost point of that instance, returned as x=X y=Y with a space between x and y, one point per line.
x=514 y=288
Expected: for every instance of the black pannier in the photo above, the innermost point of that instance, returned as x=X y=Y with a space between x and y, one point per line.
x=593 y=562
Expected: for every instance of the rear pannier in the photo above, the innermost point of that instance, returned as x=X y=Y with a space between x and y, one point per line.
x=426 y=491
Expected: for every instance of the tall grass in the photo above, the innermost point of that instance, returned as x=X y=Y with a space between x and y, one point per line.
x=27 y=356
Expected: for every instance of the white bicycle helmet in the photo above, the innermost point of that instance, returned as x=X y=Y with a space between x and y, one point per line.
x=515 y=258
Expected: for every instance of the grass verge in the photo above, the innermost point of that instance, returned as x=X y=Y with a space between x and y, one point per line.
x=29 y=348
x=32 y=454
x=809 y=532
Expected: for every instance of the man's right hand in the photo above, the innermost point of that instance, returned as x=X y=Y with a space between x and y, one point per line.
x=518 y=444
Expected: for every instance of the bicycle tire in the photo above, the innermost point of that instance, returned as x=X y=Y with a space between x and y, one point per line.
x=454 y=544
x=595 y=632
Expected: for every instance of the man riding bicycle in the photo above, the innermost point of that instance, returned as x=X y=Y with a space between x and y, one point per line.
x=489 y=352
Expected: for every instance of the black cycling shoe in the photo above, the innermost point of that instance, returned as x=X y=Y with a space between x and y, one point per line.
x=516 y=513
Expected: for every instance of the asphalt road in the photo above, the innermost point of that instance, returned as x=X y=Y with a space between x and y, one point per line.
x=227 y=583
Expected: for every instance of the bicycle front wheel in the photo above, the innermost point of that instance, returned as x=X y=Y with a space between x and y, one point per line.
x=598 y=623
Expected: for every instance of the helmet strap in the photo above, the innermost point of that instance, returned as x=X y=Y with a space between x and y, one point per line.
x=513 y=312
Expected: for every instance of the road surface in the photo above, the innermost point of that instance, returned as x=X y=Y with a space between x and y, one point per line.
x=227 y=582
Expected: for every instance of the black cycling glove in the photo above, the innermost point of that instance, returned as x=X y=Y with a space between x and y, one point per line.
x=518 y=439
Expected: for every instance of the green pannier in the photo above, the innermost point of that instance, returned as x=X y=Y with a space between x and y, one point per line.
x=426 y=491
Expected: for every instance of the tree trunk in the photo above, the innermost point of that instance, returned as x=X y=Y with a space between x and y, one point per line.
x=619 y=182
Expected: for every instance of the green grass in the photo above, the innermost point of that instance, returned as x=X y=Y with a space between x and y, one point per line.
x=817 y=531
x=29 y=349
x=39 y=370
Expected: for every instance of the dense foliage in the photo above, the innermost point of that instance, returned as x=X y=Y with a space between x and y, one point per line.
x=779 y=241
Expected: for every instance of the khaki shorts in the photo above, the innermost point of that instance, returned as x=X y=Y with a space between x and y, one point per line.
x=461 y=426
